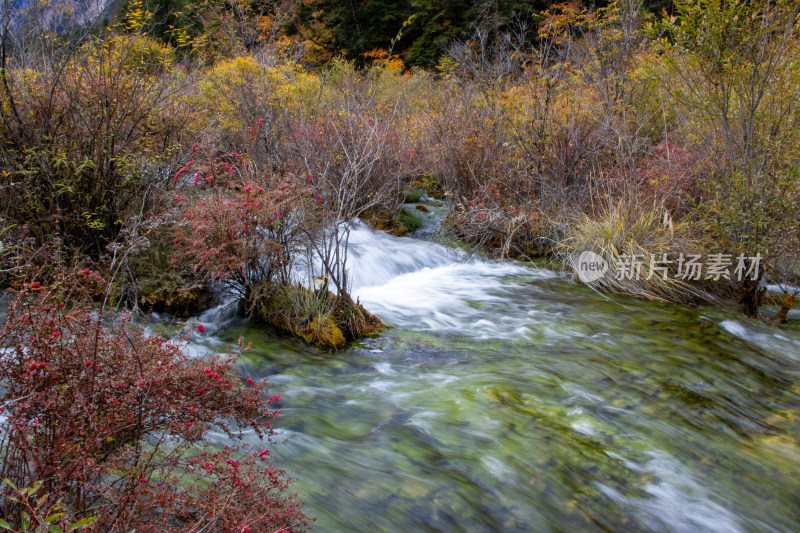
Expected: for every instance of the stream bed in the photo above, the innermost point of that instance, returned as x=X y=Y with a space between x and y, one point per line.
x=506 y=397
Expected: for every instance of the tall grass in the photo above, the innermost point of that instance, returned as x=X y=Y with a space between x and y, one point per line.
x=623 y=229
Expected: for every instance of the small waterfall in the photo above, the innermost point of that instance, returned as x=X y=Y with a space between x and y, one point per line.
x=375 y=257
x=427 y=286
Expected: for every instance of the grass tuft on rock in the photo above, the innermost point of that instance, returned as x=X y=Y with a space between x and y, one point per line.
x=319 y=317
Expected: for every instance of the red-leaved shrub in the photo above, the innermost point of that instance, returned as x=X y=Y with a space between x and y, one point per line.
x=117 y=425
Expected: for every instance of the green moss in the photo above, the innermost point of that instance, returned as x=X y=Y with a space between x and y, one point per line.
x=409 y=218
x=430 y=185
x=384 y=220
x=323 y=332
x=412 y=196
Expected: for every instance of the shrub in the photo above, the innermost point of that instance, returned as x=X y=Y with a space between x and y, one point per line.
x=242 y=232
x=468 y=146
x=245 y=104
x=89 y=137
x=35 y=510
x=731 y=71
x=502 y=231
x=352 y=145
x=237 y=90
x=256 y=234
x=116 y=425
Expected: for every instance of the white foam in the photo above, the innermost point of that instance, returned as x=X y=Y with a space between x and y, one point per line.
x=769 y=340
x=496 y=467
x=678 y=501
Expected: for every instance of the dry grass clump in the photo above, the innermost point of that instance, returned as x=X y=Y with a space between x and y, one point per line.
x=623 y=230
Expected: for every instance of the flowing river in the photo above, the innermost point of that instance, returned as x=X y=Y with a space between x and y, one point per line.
x=506 y=397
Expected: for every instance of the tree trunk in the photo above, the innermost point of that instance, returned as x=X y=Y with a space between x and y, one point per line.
x=788 y=303
x=750 y=297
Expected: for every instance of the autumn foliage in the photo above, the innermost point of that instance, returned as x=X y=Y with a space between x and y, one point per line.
x=117 y=425
x=236 y=227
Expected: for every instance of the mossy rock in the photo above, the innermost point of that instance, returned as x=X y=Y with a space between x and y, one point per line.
x=398 y=224
x=323 y=332
x=409 y=218
x=164 y=286
x=177 y=292
x=430 y=185
x=383 y=220
x=320 y=318
x=355 y=321
x=412 y=196
x=179 y=300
